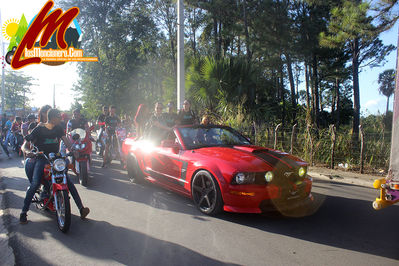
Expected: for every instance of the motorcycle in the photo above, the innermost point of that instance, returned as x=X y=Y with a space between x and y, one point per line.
x=81 y=143
x=18 y=141
x=56 y=174
x=100 y=142
x=114 y=151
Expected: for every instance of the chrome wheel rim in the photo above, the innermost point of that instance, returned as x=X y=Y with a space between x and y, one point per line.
x=204 y=192
x=61 y=208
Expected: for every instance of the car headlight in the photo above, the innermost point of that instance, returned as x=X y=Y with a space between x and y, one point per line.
x=269 y=176
x=244 y=178
x=59 y=165
x=302 y=172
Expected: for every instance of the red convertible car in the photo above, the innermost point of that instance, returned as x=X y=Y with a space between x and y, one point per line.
x=220 y=170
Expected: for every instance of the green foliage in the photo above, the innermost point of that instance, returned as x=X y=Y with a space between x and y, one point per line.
x=386 y=80
x=17 y=90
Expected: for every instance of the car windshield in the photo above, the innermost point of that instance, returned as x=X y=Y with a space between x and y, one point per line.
x=204 y=136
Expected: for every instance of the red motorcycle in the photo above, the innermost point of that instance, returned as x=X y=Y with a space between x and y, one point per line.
x=81 y=142
x=56 y=174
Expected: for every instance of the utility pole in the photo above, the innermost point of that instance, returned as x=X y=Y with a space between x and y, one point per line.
x=394 y=158
x=180 y=54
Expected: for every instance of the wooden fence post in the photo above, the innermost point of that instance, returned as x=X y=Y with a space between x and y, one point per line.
x=361 y=148
x=292 y=138
x=311 y=144
x=333 y=138
x=275 y=135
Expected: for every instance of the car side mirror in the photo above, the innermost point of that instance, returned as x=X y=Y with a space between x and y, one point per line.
x=168 y=143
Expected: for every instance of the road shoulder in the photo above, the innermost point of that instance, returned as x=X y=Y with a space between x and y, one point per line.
x=6 y=252
x=345 y=177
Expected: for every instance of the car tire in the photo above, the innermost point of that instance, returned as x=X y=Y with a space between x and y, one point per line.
x=206 y=193
x=133 y=170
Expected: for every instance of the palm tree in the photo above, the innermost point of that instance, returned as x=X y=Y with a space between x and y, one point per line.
x=386 y=80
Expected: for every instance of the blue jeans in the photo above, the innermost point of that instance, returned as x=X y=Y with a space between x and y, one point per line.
x=4 y=146
x=34 y=168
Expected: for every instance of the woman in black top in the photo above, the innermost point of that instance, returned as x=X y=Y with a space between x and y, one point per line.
x=46 y=137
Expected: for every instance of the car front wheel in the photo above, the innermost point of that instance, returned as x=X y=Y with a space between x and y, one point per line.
x=206 y=193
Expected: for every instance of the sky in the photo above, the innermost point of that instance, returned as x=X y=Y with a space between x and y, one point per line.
x=64 y=77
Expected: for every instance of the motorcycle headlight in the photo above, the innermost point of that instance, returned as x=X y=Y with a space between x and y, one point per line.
x=244 y=178
x=302 y=172
x=269 y=176
x=77 y=146
x=82 y=146
x=59 y=165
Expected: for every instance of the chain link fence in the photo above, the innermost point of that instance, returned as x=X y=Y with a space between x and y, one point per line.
x=328 y=147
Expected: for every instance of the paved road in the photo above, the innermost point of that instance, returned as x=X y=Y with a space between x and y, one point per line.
x=132 y=224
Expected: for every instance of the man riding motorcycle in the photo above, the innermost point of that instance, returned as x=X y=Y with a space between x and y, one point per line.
x=46 y=137
x=111 y=122
x=101 y=123
x=77 y=121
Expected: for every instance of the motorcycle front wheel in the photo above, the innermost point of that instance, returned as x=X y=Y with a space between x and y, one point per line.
x=63 y=211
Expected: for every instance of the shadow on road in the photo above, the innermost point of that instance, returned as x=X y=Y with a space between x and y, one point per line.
x=339 y=222
x=114 y=181
x=100 y=240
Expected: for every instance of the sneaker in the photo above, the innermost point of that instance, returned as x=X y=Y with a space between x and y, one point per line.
x=84 y=212
x=23 y=218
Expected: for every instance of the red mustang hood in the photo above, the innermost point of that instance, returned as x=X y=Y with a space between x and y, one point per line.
x=250 y=158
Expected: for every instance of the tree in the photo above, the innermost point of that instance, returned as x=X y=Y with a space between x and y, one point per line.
x=17 y=90
x=351 y=27
x=386 y=81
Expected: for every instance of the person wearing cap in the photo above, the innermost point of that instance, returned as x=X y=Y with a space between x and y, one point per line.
x=186 y=116
x=171 y=116
x=24 y=128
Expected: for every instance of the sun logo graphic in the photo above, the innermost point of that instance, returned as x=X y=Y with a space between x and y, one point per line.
x=10 y=28
x=13 y=30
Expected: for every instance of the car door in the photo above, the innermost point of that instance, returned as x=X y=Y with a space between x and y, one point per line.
x=166 y=165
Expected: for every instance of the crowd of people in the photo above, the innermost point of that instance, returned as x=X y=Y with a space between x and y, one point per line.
x=47 y=132
x=154 y=124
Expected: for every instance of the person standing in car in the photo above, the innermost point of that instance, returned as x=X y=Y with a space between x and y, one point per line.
x=187 y=116
x=140 y=120
x=171 y=116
